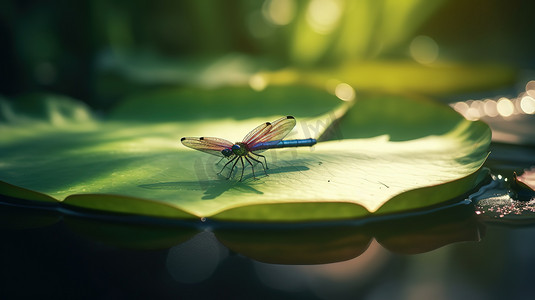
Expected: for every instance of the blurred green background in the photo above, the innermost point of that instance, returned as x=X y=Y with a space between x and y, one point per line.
x=99 y=51
x=103 y=52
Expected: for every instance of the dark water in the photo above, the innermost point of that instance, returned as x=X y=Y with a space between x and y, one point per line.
x=446 y=253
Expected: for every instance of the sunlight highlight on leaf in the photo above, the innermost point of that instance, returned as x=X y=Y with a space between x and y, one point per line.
x=132 y=166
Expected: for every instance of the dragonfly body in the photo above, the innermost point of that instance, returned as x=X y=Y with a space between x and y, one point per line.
x=266 y=136
x=284 y=144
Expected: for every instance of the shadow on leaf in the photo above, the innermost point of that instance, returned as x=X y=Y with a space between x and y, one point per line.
x=215 y=188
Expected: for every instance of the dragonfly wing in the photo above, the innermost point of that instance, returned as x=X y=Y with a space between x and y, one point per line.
x=257 y=133
x=280 y=129
x=210 y=145
x=270 y=131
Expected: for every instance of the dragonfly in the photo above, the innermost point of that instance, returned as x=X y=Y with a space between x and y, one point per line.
x=268 y=135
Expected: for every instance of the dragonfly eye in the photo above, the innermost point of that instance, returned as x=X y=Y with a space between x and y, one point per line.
x=236 y=147
x=226 y=152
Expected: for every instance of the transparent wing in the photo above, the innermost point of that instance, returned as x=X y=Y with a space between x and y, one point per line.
x=276 y=131
x=257 y=133
x=210 y=145
x=280 y=129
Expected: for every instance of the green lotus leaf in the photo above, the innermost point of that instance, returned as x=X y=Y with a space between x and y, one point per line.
x=393 y=76
x=403 y=76
x=132 y=162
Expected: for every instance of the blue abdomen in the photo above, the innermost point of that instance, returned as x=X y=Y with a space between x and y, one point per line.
x=284 y=144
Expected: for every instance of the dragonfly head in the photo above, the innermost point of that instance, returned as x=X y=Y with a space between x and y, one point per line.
x=226 y=152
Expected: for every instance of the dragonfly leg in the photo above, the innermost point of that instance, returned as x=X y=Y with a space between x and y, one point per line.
x=263 y=158
x=252 y=167
x=260 y=163
x=226 y=165
x=217 y=163
x=233 y=165
x=242 y=167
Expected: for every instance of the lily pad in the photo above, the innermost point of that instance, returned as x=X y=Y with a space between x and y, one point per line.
x=404 y=76
x=136 y=72
x=133 y=163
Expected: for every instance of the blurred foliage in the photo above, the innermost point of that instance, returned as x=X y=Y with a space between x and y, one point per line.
x=65 y=47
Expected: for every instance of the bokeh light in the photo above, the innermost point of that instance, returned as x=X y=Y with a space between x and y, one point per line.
x=258 y=82
x=279 y=12
x=505 y=107
x=424 y=49
x=475 y=110
x=461 y=107
x=530 y=89
x=345 y=92
x=490 y=109
x=323 y=15
x=527 y=104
